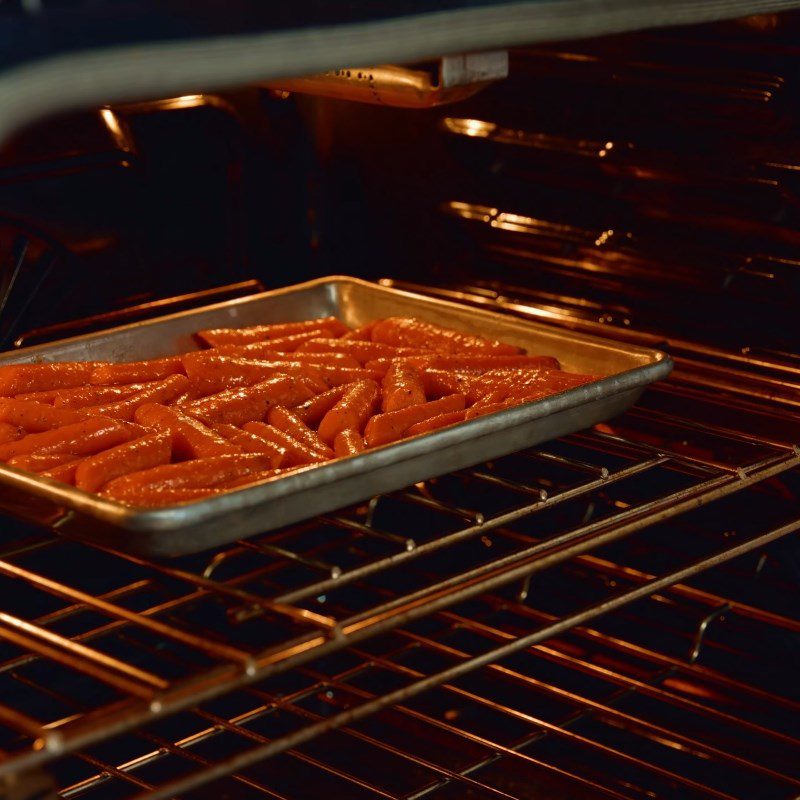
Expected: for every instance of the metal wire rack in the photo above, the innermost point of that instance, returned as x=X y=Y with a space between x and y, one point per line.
x=96 y=644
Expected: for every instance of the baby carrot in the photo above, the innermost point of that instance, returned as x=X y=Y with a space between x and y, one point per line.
x=156 y=392
x=434 y=423
x=19 y=378
x=136 y=371
x=10 y=433
x=65 y=473
x=297 y=453
x=283 y=344
x=190 y=437
x=138 y=454
x=362 y=334
x=313 y=410
x=336 y=376
x=400 y=331
x=389 y=427
x=401 y=387
x=89 y=436
x=247 y=403
x=481 y=363
x=250 y=443
x=290 y=423
x=39 y=462
x=82 y=396
x=351 y=412
x=36 y=417
x=361 y=351
x=258 y=333
x=348 y=443
x=440 y=382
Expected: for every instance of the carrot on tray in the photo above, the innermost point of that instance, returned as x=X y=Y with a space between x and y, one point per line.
x=351 y=412
x=250 y=443
x=82 y=396
x=65 y=473
x=148 y=451
x=39 y=462
x=434 y=423
x=10 y=433
x=312 y=411
x=190 y=437
x=258 y=333
x=297 y=454
x=470 y=362
x=290 y=423
x=157 y=392
x=402 y=331
x=36 y=417
x=359 y=350
x=348 y=443
x=153 y=369
x=19 y=378
x=401 y=387
x=389 y=427
x=88 y=436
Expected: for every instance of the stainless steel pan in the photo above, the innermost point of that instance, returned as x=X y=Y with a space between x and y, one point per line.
x=626 y=370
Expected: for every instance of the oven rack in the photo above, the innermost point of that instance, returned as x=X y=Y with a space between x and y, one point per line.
x=136 y=640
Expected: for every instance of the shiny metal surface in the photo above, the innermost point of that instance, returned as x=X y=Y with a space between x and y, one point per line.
x=624 y=369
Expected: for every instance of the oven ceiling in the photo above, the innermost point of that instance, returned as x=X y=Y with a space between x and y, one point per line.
x=55 y=56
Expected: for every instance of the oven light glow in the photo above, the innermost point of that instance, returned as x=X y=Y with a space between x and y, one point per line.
x=469 y=127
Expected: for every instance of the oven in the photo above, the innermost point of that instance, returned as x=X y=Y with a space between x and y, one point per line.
x=613 y=614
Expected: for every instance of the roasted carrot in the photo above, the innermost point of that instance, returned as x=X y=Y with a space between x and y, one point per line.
x=36 y=417
x=19 y=378
x=259 y=333
x=255 y=479
x=297 y=453
x=153 y=369
x=39 y=462
x=82 y=438
x=362 y=334
x=47 y=396
x=157 y=392
x=389 y=427
x=290 y=423
x=138 y=454
x=283 y=344
x=247 y=403
x=361 y=351
x=65 y=473
x=10 y=433
x=82 y=396
x=158 y=496
x=434 y=423
x=336 y=376
x=440 y=382
x=351 y=412
x=190 y=437
x=489 y=408
x=481 y=363
x=401 y=331
x=401 y=387
x=312 y=411
x=348 y=443
x=250 y=443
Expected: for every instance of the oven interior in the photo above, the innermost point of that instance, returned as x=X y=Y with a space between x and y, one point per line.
x=614 y=614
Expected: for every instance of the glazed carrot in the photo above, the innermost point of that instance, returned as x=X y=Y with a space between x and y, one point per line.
x=489 y=408
x=39 y=462
x=10 y=433
x=351 y=412
x=401 y=387
x=401 y=331
x=64 y=472
x=209 y=373
x=286 y=421
x=348 y=443
x=258 y=333
x=36 y=417
x=157 y=392
x=389 y=427
x=137 y=371
x=297 y=453
x=313 y=410
x=481 y=363
x=48 y=396
x=19 y=378
x=283 y=344
x=255 y=479
x=362 y=334
x=157 y=496
x=336 y=376
x=440 y=382
x=250 y=443
x=82 y=438
x=82 y=396
x=434 y=423
x=247 y=403
x=361 y=351
x=190 y=437
x=138 y=454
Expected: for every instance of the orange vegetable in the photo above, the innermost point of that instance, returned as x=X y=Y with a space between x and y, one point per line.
x=148 y=451
x=137 y=371
x=389 y=427
x=39 y=462
x=313 y=410
x=434 y=423
x=348 y=443
x=362 y=334
x=250 y=443
x=361 y=351
x=401 y=331
x=19 y=378
x=10 y=433
x=36 y=417
x=481 y=363
x=82 y=396
x=297 y=454
x=247 y=403
x=64 y=472
x=256 y=478
x=190 y=437
x=489 y=408
x=88 y=436
x=440 y=382
x=336 y=376
x=283 y=344
x=290 y=423
x=157 y=392
x=402 y=387
x=351 y=412
x=258 y=333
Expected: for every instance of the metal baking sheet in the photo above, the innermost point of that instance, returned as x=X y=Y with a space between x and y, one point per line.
x=625 y=369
